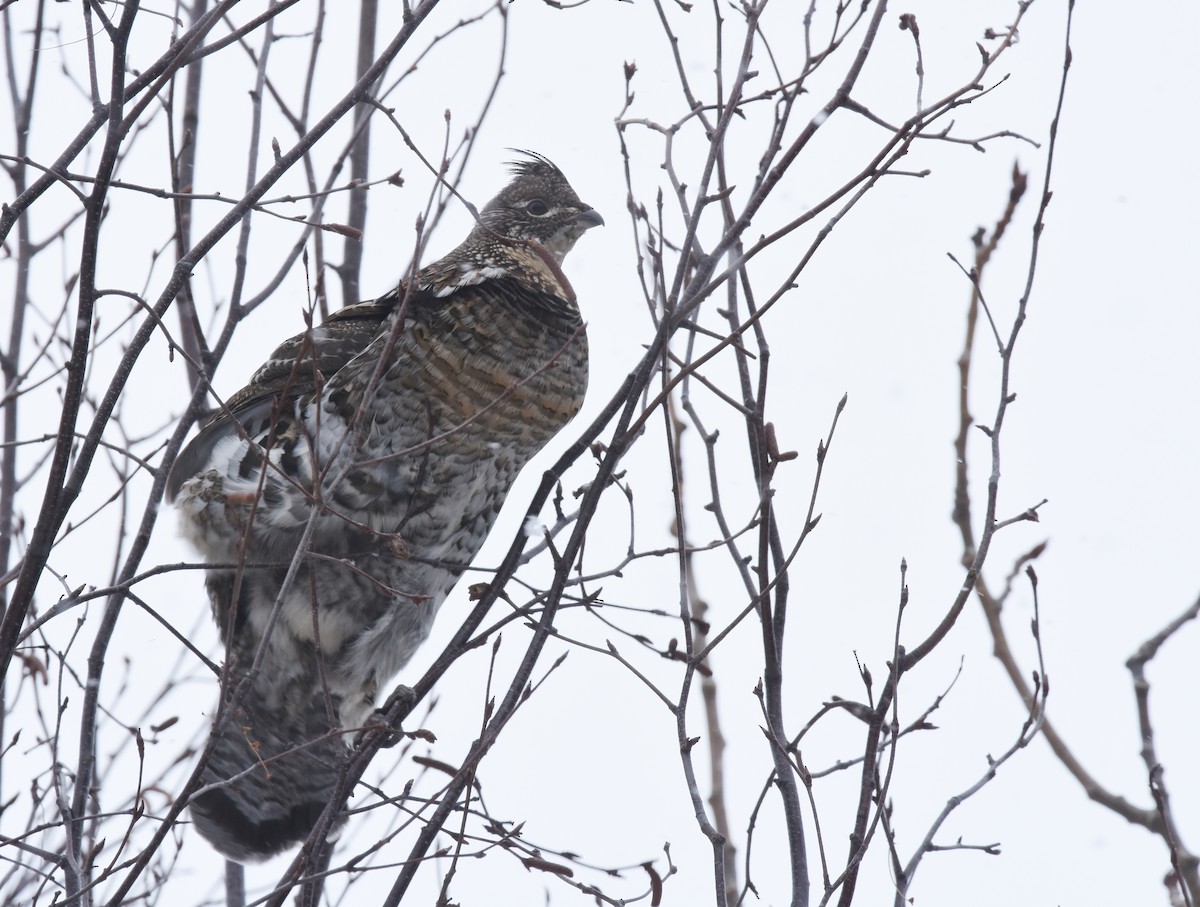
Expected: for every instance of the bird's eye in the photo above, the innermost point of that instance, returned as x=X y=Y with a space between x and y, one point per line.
x=537 y=208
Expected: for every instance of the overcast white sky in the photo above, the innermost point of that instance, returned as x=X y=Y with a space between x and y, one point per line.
x=1105 y=427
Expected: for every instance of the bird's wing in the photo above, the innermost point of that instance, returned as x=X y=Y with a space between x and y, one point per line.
x=302 y=364
x=294 y=369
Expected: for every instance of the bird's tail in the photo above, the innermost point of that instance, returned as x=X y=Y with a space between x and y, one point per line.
x=268 y=779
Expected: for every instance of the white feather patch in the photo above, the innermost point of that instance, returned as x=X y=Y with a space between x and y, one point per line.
x=471 y=276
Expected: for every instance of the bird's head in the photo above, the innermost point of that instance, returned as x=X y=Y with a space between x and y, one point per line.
x=539 y=205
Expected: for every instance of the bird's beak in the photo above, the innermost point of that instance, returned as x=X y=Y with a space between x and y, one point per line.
x=589 y=218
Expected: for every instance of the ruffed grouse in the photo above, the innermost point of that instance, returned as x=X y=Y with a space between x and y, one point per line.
x=382 y=443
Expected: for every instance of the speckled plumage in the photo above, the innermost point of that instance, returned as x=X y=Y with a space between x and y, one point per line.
x=396 y=427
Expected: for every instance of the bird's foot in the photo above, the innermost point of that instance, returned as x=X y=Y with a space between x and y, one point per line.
x=401 y=701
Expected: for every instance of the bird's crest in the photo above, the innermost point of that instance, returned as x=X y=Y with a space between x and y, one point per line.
x=537 y=165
